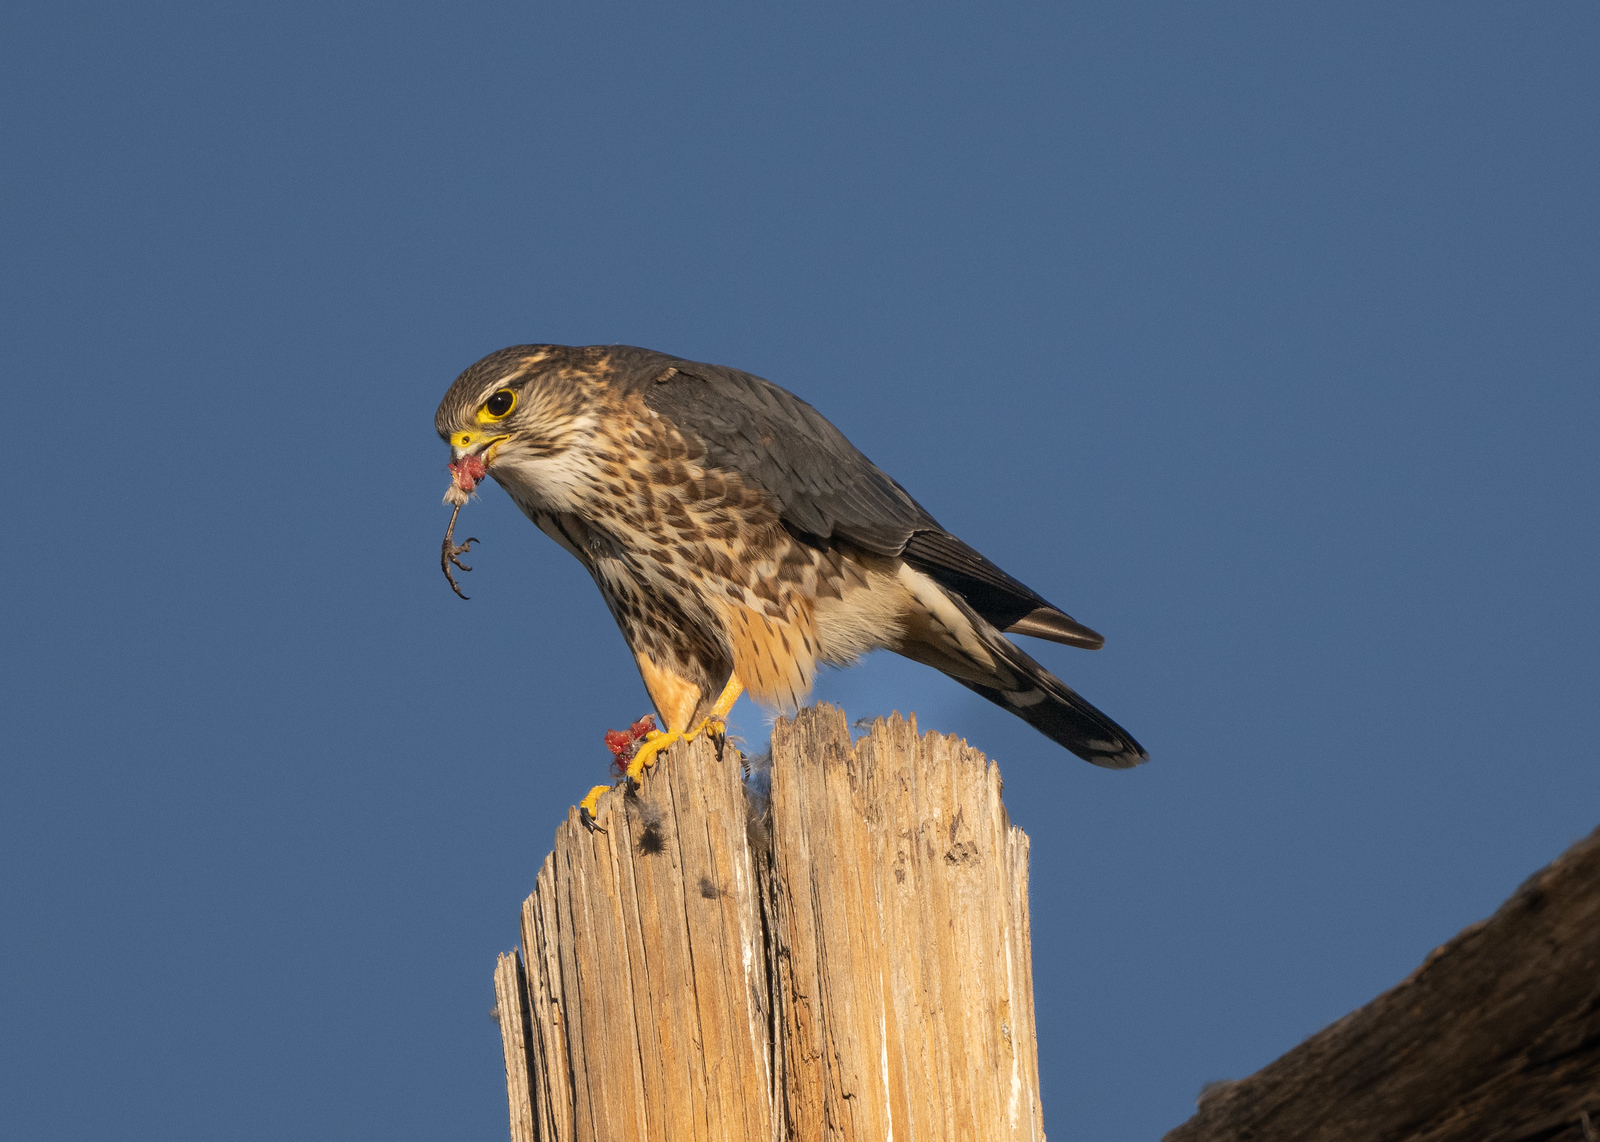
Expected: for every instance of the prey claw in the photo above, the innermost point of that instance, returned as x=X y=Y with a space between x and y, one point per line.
x=451 y=552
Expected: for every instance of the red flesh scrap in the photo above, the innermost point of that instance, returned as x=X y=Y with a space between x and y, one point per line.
x=623 y=744
x=468 y=471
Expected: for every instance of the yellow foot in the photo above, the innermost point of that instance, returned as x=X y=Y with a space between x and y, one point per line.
x=587 y=809
x=654 y=742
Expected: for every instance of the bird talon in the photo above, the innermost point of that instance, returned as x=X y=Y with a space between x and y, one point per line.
x=588 y=809
x=714 y=726
x=717 y=730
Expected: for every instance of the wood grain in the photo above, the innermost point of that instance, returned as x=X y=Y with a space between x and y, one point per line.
x=511 y=1011
x=901 y=924
x=853 y=964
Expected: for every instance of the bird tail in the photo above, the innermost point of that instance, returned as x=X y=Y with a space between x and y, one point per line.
x=953 y=638
x=1059 y=712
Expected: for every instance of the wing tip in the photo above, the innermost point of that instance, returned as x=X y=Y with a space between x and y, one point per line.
x=1057 y=626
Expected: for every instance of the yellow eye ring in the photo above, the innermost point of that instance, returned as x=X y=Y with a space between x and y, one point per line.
x=498 y=406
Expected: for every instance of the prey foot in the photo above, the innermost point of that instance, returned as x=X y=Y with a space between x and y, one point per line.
x=452 y=551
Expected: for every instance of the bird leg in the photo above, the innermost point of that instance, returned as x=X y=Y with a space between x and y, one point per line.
x=715 y=720
x=452 y=551
x=656 y=741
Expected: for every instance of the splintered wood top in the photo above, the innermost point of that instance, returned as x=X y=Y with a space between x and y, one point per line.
x=853 y=963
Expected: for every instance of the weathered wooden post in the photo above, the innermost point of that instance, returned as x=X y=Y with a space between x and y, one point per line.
x=853 y=963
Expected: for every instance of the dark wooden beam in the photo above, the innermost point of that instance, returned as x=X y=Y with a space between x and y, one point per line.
x=1495 y=1038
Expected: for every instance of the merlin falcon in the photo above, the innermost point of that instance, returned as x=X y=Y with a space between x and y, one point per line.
x=740 y=541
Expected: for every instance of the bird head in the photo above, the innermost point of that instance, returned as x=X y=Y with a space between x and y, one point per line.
x=512 y=413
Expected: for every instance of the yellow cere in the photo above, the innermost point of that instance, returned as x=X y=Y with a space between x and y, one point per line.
x=461 y=439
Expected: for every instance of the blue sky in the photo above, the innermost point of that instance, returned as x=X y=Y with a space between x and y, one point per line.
x=1260 y=338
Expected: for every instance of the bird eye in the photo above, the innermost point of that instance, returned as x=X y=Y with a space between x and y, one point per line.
x=501 y=404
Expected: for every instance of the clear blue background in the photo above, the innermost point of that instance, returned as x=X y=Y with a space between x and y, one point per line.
x=1262 y=339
